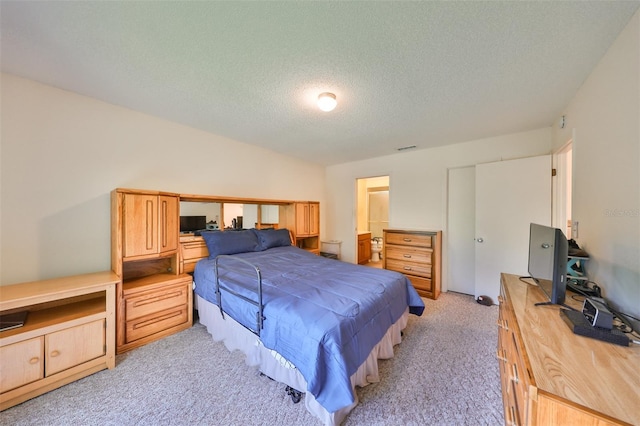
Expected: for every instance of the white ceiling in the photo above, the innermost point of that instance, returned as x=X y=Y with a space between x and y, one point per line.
x=405 y=73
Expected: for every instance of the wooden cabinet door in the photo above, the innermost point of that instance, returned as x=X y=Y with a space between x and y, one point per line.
x=73 y=346
x=21 y=363
x=307 y=219
x=364 y=248
x=302 y=219
x=140 y=225
x=314 y=218
x=168 y=223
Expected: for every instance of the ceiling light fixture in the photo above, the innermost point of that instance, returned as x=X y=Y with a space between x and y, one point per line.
x=327 y=101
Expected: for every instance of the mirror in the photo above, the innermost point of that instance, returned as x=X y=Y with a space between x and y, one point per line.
x=211 y=212
x=269 y=214
x=233 y=216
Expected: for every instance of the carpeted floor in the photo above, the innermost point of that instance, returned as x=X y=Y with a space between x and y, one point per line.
x=444 y=373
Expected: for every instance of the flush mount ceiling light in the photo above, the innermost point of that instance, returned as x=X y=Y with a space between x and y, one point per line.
x=327 y=101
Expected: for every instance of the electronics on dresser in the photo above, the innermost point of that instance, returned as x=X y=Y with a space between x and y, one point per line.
x=582 y=287
x=12 y=320
x=597 y=313
x=579 y=324
x=193 y=223
x=548 y=254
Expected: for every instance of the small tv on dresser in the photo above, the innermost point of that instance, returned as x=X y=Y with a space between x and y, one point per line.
x=548 y=256
x=192 y=223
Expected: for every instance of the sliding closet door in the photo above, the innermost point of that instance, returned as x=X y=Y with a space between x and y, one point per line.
x=509 y=196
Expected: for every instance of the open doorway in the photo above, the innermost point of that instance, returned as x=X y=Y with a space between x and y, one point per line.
x=561 y=190
x=372 y=217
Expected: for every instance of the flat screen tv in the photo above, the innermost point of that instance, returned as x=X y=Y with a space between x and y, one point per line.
x=192 y=223
x=548 y=255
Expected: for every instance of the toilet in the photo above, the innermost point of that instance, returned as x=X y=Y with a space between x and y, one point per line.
x=376 y=249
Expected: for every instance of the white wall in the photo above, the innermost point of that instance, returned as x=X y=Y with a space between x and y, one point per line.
x=605 y=115
x=418 y=183
x=63 y=153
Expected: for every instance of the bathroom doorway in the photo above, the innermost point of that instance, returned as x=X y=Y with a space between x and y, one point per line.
x=372 y=217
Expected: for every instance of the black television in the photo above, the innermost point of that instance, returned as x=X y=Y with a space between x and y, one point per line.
x=192 y=223
x=548 y=256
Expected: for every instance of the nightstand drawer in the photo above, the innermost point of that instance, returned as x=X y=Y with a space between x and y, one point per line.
x=411 y=254
x=151 y=324
x=409 y=239
x=194 y=250
x=157 y=300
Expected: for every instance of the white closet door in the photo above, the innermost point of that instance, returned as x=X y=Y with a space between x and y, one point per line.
x=509 y=196
x=461 y=226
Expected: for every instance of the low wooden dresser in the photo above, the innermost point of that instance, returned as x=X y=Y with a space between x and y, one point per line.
x=417 y=255
x=551 y=376
x=68 y=334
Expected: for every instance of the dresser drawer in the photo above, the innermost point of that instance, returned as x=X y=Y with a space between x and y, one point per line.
x=412 y=268
x=194 y=250
x=417 y=240
x=142 y=304
x=410 y=254
x=157 y=322
x=423 y=286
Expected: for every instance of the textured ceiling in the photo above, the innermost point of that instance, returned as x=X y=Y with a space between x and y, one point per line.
x=405 y=73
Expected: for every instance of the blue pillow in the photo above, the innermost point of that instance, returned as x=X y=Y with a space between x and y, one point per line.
x=230 y=242
x=270 y=238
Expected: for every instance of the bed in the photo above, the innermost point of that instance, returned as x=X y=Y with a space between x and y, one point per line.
x=318 y=325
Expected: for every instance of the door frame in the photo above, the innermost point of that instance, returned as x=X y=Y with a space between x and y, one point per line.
x=561 y=187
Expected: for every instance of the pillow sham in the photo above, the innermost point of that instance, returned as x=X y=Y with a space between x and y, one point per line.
x=270 y=238
x=230 y=242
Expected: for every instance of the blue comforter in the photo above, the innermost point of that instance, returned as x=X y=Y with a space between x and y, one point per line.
x=323 y=315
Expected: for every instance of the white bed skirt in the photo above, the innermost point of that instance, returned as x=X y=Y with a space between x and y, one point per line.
x=235 y=336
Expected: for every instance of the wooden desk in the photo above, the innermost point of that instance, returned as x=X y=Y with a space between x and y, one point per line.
x=551 y=376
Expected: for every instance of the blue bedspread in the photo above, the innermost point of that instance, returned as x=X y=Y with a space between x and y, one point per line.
x=323 y=315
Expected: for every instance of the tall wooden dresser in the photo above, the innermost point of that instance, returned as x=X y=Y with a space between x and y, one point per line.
x=417 y=254
x=551 y=376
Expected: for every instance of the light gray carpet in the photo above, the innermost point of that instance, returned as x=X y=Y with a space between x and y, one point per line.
x=444 y=373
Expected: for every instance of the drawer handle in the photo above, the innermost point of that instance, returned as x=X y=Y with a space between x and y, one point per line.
x=503 y=359
x=55 y=354
x=151 y=321
x=408 y=256
x=407 y=268
x=512 y=411
x=171 y=295
x=503 y=324
x=515 y=374
x=34 y=360
x=408 y=240
x=500 y=299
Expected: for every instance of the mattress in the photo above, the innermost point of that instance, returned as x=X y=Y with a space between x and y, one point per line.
x=323 y=316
